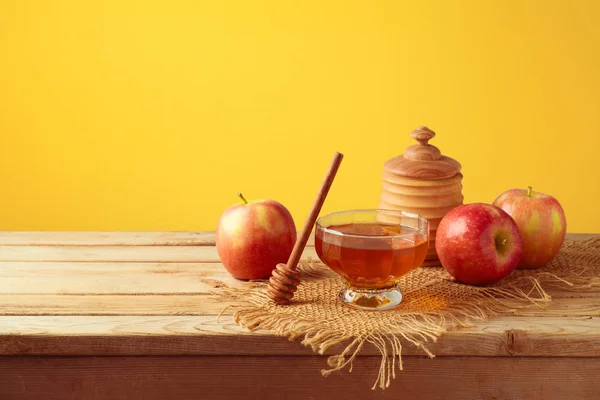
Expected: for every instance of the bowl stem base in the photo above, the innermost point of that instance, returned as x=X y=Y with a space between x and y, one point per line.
x=369 y=299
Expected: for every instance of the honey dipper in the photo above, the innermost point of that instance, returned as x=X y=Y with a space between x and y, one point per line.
x=285 y=279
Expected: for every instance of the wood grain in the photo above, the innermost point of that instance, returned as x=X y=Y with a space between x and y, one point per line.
x=181 y=335
x=197 y=254
x=580 y=236
x=422 y=201
x=203 y=304
x=428 y=197
x=150 y=305
x=423 y=160
x=113 y=278
x=143 y=278
x=127 y=315
x=87 y=238
x=256 y=377
x=91 y=238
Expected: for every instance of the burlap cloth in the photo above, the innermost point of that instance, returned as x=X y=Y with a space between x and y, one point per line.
x=433 y=304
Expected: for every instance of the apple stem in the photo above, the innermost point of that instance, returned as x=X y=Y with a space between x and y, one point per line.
x=242 y=197
x=529 y=189
x=504 y=241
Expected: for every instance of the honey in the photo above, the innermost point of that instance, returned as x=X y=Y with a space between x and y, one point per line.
x=371 y=255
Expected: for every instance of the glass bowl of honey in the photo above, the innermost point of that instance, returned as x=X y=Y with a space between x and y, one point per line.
x=371 y=250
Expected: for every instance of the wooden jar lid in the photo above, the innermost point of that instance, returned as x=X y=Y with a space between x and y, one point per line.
x=423 y=160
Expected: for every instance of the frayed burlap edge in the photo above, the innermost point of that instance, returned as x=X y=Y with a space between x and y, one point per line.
x=520 y=290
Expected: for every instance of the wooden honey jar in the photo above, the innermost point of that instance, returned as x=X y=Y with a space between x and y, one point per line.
x=424 y=182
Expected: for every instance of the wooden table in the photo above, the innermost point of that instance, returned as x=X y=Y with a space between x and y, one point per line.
x=93 y=315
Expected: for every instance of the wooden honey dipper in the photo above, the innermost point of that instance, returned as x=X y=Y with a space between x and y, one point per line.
x=285 y=279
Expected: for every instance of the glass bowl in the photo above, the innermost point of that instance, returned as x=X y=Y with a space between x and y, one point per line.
x=372 y=249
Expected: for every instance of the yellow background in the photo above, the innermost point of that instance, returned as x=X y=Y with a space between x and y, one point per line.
x=151 y=115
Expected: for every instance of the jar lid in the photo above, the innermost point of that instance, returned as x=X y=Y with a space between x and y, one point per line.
x=422 y=160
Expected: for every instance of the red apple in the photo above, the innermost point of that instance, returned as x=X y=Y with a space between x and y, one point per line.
x=478 y=243
x=541 y=221
x=253 y=237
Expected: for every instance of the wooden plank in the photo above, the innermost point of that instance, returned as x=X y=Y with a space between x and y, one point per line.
x=175 y=378
x=204 y=335
x=167 y=238
x=86 y=238
x=580 y=236
x=109 y=305
x=110 y=238
x=125 y=253
x=113 y=278
x=130 y=254
x=144 y=278
x=200 y=304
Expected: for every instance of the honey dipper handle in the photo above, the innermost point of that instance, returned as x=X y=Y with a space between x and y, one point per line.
x=314 y=212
